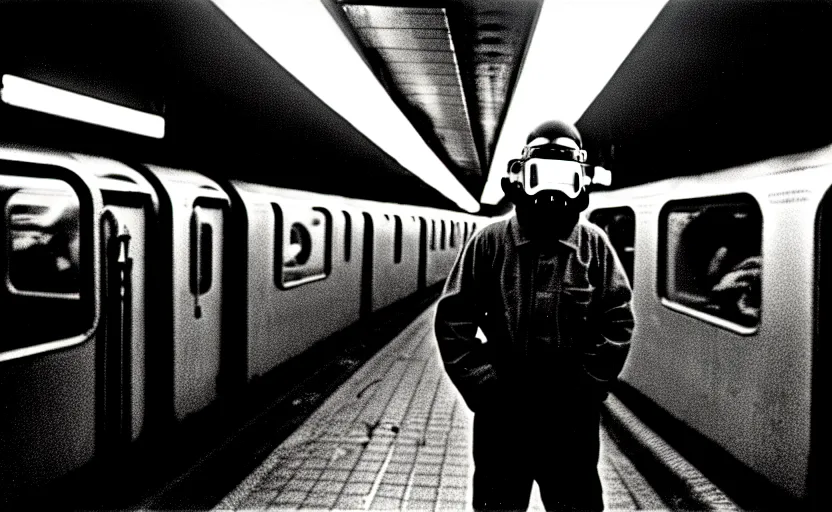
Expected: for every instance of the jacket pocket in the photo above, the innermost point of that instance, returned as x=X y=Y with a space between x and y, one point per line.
x=574 y=318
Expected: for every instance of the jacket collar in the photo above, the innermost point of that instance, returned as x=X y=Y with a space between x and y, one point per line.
x=519 y=236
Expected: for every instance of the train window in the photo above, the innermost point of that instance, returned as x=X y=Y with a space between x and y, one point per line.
x=711 y=261
x=302 y=245
x=202 y=254
x=347 y=236
x=397 y=239
x=432 y=235
x=46 y=262
x=44 y=243
x=620 y=226
x=442 y=235
x=452 y=240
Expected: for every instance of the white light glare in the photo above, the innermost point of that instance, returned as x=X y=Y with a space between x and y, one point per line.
x=302 y=36
x=24 y=93
x=602 y=177
x=576 y=48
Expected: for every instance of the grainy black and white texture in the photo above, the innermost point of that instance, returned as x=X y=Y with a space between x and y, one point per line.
x=398 y=436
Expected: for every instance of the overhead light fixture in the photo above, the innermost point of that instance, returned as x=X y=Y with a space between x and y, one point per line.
x=302 y=36
x=24 y=93
x=417 y=50
x=589 y=39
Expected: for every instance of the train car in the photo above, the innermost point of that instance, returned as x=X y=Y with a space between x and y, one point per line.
x=75 y=311
x=304 y=255
x=192 y=286
x=131 y=297
x=395 y=254
x=729 y=279
x=447 y=234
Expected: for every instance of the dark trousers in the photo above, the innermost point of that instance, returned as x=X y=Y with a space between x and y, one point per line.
x=559 y=450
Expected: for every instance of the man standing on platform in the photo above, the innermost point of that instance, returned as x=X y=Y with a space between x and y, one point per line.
x=553 y=301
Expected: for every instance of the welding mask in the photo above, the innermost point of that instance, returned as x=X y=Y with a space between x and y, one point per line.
x=550 y=168
x=552 y=172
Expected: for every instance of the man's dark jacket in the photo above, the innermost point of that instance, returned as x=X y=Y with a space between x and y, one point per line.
x=586 y=318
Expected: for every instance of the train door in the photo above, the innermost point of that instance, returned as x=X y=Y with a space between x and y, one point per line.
x=198 y=311
x=192 y=260
x=49 y=301
x=125 y=315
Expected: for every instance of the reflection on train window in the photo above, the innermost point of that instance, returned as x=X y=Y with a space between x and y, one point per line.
x=304 y=249
x=347 y=236
x=397 y=239
x=442 y=236
x=712 y=261
x=299 y=248
x=43 y=242
x=620 y=226
x=432 y=235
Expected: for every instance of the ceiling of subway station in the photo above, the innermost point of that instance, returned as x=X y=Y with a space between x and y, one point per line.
x=710 y=84
x=450 y=66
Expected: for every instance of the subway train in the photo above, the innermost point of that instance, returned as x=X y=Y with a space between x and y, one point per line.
x=731 y=292
x=136 y=295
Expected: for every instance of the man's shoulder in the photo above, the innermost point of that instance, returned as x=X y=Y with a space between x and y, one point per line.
x=494 y=231
x=590 y=230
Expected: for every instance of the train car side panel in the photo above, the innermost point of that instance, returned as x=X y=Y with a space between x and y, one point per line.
x=290 y=237
x=395 y=257
x=746 y=388
x=198 y=208
x=49 y=379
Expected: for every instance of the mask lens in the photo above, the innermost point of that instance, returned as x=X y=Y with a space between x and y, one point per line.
x=554 y=175
x=555 y=153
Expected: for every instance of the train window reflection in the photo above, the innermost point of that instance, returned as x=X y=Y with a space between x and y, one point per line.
x=43 y=242
x=712 y=260
x=299 y=248
x=304 y=245
x=620 y=226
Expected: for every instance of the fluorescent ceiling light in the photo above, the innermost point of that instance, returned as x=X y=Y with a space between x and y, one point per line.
x=302 y=36
x=24 y=93
x=591 y=38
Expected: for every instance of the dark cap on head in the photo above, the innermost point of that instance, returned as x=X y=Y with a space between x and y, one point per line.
x=553 y=129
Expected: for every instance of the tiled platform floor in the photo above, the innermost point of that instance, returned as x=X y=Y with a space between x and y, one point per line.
x=397 y=436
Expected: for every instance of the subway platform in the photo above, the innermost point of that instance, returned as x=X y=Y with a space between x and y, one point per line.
x=397 y=436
